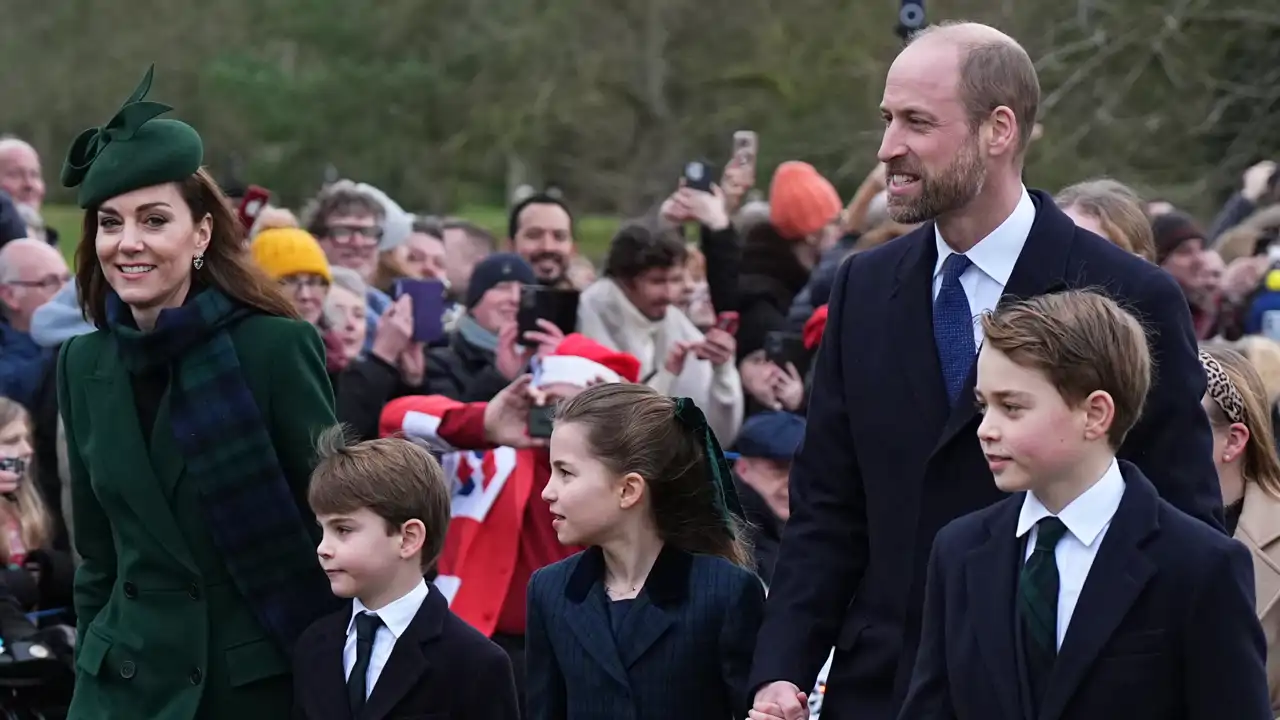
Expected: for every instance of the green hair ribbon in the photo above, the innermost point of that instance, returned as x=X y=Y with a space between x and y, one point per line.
x=691 y=416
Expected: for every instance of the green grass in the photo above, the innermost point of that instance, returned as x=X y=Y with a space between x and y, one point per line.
x=66 y=220
x=593 y=231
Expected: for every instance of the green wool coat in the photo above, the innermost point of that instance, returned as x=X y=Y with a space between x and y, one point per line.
x=163 y=633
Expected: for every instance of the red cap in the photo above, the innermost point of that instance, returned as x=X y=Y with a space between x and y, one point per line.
x=625 y=365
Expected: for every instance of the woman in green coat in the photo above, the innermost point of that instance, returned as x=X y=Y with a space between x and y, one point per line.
x=190 y=417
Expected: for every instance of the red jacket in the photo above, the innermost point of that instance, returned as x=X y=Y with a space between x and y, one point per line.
x=492 y=488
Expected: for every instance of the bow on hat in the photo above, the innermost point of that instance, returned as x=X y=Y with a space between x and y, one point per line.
x=690 y=415
x=121 y=127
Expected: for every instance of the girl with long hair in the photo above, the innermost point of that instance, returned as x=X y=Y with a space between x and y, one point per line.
x=639 y=479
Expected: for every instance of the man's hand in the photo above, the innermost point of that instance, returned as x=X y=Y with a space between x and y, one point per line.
x=677 y=354
x=788 y=388
x=509 y=357
x=506 y=416
x=413 y=365
x=1256 y=180
x=394 y=331
x=548 y=338
x=707 y=208
x=719 y=347
x=780 y=701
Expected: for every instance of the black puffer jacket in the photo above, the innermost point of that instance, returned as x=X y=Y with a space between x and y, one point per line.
x=771 y=278
x=459 y=370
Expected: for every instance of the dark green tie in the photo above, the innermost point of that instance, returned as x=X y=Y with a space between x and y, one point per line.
x=1038 y=607
x=366 y=627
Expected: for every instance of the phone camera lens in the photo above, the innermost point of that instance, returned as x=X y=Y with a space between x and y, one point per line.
x=911 y=15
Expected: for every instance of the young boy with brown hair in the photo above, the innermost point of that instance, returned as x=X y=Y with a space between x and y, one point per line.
x=1083 y=595
x=397 y=651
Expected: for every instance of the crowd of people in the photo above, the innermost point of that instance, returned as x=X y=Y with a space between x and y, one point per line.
x=701 y=476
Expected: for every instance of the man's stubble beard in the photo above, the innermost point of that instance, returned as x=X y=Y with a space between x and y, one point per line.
x=953 y=188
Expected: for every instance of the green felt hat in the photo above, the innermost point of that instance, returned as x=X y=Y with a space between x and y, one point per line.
x=133 y=150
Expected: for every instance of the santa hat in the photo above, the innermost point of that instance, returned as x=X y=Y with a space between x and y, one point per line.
x=579 y=360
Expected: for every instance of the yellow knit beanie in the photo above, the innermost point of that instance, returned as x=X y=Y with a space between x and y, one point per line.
x=289 y=251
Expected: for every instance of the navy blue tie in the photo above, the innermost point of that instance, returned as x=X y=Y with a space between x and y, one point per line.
x=953 y=326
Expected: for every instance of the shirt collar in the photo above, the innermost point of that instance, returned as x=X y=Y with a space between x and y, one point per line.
x=397 y=614
x=996 y=254
x=1087 y=515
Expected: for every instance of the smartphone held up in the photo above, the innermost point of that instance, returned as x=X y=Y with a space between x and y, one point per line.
x=428 y=298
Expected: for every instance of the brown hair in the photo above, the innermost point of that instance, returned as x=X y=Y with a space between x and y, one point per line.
x=634 y=429
x=1263 y=354
x=995 y=71
x=35 y=525
x=396 y=479
x=640 y=246
x=1083 y=342
x=1260 y=463
x=482 y=240
x=1118 y=209
x=388 y=271
x=228 y=266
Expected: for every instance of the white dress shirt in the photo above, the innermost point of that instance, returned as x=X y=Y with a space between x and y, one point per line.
x=1087 y=519
x=993 y=259
x=396 y=616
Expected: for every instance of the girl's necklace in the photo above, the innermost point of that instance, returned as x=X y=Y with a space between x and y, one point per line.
x=613 y=592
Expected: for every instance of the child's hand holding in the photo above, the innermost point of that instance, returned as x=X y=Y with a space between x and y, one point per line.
x=780 y=701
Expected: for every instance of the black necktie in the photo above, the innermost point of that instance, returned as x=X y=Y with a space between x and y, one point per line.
x=366 y=626
x=1038 y=607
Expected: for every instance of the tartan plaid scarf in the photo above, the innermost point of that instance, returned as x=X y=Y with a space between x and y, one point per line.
x=249 y=506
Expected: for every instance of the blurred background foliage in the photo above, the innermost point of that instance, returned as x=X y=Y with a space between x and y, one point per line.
x=449 y=104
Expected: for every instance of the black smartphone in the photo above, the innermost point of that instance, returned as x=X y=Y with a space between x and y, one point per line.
x=540 y=420
x=538 y=302
x=699 y=175
x=18 y=466
x=781 y=348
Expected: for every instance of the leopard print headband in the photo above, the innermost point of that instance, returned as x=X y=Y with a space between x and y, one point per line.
x=1222 y=390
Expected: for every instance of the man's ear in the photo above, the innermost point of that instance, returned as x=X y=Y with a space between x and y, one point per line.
x=8 y=298
x=1002 y=131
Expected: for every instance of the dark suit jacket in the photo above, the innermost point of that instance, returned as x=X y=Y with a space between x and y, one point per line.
x=683 y=652
x=441 y=668
x=886 y=461
x=1164 y=627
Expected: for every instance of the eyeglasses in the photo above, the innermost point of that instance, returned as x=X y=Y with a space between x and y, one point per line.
x=298 y=282
x=48 y=282
x=344 y=234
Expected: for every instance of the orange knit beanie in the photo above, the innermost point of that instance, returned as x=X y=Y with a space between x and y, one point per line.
x=801 y=201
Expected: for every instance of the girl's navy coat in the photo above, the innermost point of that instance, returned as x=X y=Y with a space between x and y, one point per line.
x=683 y=650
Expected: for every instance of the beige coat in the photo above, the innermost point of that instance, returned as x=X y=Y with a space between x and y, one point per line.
x=1259 y=530
x=606 y=316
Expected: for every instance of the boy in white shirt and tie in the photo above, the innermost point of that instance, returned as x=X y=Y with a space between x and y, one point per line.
x=1083 y=596
x=397 y=651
